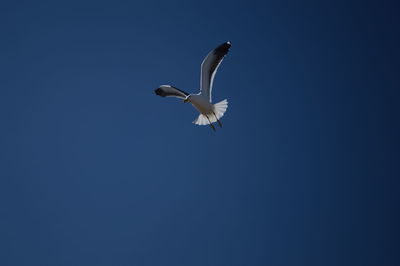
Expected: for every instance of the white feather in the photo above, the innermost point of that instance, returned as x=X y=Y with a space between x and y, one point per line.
x=219 y=110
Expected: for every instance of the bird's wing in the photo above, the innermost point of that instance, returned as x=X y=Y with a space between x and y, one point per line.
x=169 y=91
x=209 y=68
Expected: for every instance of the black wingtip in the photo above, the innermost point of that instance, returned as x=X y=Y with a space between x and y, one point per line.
x=223 y=48
x=159 y=92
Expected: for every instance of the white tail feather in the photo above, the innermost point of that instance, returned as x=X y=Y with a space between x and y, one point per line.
x=219 y=111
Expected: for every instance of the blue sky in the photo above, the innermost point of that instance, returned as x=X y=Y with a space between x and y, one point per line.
x=97 y=170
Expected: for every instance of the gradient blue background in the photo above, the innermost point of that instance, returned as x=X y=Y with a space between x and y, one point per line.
x=97 y=170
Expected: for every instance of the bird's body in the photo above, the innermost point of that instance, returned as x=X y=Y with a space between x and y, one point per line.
x=201 y=103
x=209 y=113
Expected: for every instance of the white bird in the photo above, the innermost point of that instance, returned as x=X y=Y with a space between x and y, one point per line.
x=209 y=113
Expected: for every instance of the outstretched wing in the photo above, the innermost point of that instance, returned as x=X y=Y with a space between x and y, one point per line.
x=169 y=91
x=209 y=68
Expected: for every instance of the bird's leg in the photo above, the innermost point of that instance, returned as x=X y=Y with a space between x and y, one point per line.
x=219 y=122
x=212 y=126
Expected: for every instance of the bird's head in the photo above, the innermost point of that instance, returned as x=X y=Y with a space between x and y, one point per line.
x=186 y=99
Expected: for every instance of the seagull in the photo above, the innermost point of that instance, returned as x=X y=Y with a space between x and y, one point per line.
x=209 y=113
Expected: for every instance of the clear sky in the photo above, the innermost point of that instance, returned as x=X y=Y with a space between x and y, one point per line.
x=98 y=170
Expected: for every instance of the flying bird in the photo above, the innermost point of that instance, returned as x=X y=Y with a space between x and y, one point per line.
x=209 y=113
